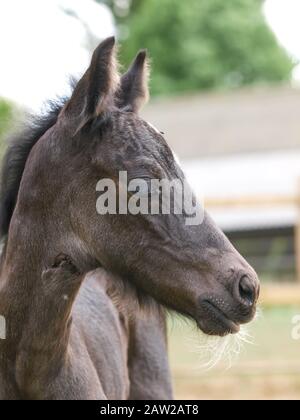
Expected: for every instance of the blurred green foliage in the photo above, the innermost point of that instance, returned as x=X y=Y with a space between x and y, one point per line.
x=6 y=115
x=202 y=44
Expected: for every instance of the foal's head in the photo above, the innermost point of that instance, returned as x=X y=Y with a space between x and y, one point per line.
x=192 y=269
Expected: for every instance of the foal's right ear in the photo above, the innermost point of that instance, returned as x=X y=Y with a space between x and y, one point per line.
x=134 y=86
x=95 y=91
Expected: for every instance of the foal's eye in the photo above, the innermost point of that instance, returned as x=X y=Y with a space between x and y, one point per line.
x=162 y=133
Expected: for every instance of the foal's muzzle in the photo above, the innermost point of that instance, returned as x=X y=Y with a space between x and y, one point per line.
x=221 y=313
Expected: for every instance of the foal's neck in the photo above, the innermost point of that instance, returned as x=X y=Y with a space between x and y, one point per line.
x=21 y=277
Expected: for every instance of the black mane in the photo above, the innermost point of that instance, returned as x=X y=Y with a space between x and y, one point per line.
x=19 y=148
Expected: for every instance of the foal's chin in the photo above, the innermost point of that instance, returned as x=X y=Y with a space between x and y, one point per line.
x=213 y=321
x=214 y=329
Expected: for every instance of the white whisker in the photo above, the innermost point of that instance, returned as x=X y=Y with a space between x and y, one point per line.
x=216 y=350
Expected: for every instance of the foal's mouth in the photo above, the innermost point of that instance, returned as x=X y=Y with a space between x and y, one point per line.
x=216 y=322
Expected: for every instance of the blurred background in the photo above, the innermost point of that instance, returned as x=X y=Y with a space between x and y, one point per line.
x=225 y=90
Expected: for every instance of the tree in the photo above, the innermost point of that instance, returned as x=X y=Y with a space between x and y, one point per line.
x=121 y=8
x=204 y=44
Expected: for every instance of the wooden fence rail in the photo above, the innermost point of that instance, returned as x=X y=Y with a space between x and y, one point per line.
x=254 y=201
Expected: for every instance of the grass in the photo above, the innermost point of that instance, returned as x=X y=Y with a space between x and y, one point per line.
x=268 y=369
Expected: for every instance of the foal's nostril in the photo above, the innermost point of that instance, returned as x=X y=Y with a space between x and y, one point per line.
x=247 y=291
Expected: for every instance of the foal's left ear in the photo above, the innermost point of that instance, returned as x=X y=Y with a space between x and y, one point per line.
x=134 y=90
x=95 y=91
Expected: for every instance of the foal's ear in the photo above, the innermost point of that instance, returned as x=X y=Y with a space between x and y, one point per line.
x=95 y=91
x=134 y=90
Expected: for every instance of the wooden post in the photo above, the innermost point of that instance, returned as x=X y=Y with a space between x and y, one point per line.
x=297 y=236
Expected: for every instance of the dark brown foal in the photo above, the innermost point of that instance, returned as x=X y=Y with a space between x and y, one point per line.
x=49 y=204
